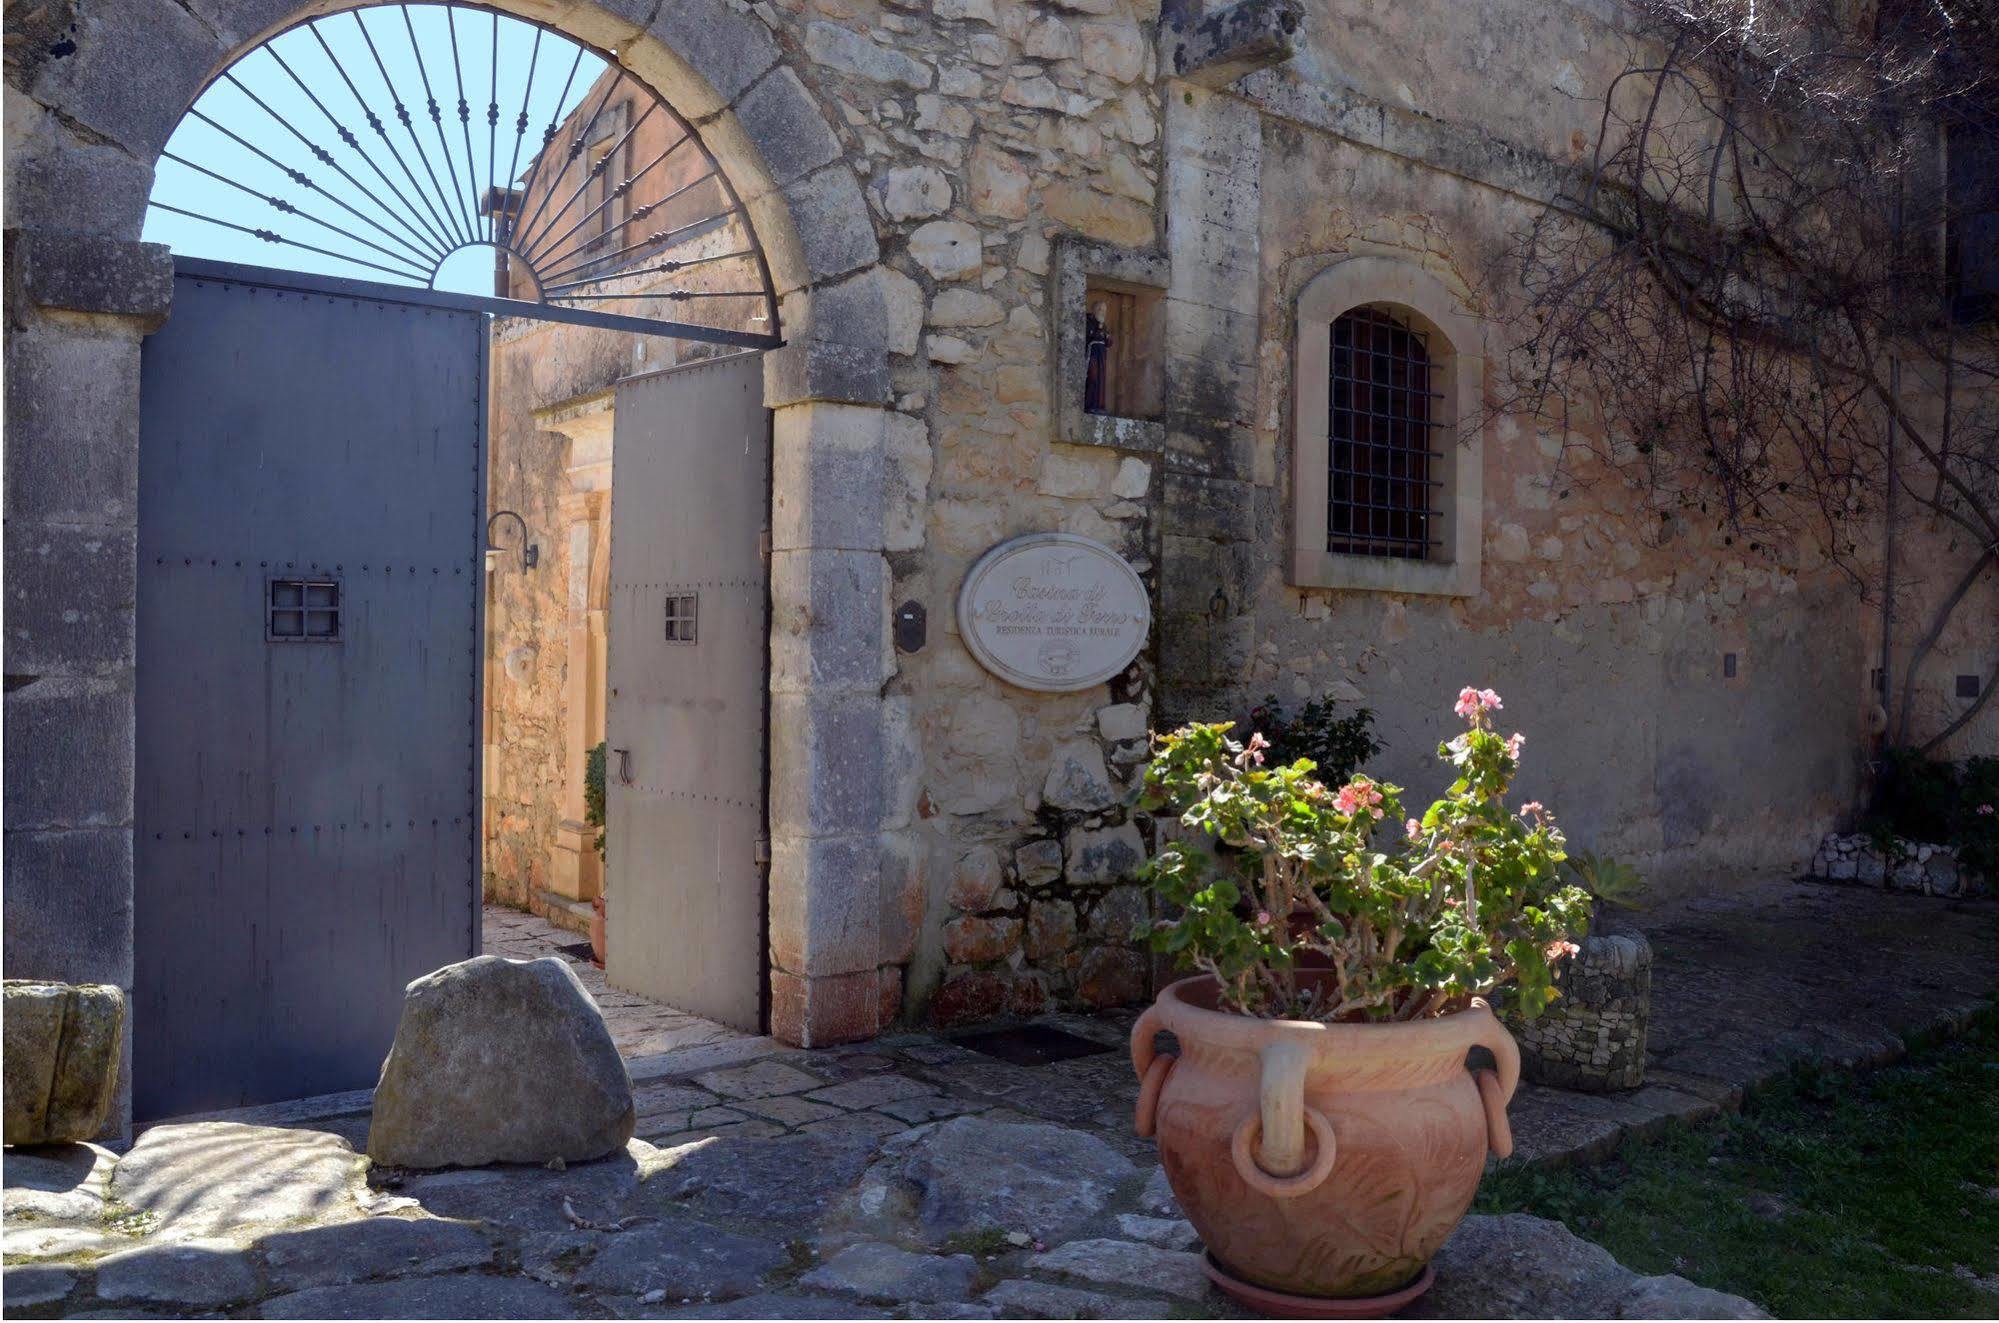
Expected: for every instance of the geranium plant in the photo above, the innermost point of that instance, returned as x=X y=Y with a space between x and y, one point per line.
x=1409 y=917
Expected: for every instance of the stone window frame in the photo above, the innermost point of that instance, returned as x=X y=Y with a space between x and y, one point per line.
x=1076 y=263
x=1458 y=358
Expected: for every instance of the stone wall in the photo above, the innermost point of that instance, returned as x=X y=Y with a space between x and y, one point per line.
x=1916 y=867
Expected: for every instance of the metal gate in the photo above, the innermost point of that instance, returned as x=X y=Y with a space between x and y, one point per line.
x=310 y=493
x=686 y=714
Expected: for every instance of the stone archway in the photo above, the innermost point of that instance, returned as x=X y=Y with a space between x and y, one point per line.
x=93 y=94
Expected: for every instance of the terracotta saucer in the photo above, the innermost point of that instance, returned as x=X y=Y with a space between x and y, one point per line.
x=1276 y=1304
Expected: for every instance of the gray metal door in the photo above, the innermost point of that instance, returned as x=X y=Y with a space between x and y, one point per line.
x=685 y=720
x=311 y=477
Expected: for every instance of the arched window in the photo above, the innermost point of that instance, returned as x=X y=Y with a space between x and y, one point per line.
x=1382 y=495
x=1386 y=487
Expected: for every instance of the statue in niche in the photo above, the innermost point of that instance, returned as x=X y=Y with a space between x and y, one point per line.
x=1097 y=348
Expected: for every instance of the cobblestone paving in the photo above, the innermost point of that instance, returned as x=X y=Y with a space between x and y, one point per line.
x=640 y=1027
x=914 y=1177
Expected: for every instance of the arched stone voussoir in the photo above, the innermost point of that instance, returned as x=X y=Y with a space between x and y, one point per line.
x=242 y=24
x=701 y=54
x=833 y=228
x=777 y=125
x=135 y=68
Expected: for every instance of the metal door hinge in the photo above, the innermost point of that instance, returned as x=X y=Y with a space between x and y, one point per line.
x=763 y=546
x=760 y=852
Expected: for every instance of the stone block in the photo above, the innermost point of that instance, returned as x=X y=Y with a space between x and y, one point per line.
x=54 y=182
x=70 y=599
x=786 y=126
x=1109 y=976
x=907 y=480
x=72 y=409
x=808 y=370
x=828 y=484
x=1104 y=855
x=878 y=307
x=94 y=274
x=948 y=250
x=835 y=231
x=1038 y=862
x=828 y=1009
x=912 y=192
x=826 y=771
x=972 y=940
x=134 y=68
x=240 y=22
x=1051 y=929
x=1222 y=45
x=825 y=904
x=68 y=902
x=1121 y=722
x=1077 y=779
x=1119 y=915
x=976 y=879
x=63 y=1043
x=853 y=53
x=69 y=754
x=727 y=48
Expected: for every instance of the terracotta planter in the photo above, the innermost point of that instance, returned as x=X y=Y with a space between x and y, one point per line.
x=597 y=930
x=1317 y=1160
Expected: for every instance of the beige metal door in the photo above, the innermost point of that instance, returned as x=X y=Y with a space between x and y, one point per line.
x=689 y=632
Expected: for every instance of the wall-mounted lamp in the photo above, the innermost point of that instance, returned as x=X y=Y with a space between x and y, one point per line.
x=530 y=552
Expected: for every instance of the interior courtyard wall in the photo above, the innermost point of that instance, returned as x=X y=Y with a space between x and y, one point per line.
x=985 y=134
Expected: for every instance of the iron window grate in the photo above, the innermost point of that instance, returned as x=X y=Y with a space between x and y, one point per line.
x=682 y=612
x=302 y=611
x=1381 y=497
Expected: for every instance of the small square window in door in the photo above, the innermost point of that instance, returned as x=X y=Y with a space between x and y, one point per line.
x=682 y=610
x=302 y=611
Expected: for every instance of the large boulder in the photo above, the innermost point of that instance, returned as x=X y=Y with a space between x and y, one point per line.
x=62 y=1047
x=500 y=1061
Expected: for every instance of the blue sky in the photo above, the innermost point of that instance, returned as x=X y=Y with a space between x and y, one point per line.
x=423 y=202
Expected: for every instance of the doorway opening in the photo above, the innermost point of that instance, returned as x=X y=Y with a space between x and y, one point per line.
x=584 y=284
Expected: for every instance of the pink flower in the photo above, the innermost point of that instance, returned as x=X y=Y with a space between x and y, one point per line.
x=1355 y=796
x=1254 y=749
x=1413 y=827
x=1556 y=950
x=1984 y=810
x=1531 y=806
x=1472 y=701
x=1513 y=743
x=1263 y=918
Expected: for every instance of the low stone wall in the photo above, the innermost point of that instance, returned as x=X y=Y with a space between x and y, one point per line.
x=1593 y=1037
x=1914 y=866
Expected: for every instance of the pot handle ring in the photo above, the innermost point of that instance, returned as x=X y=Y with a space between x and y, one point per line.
x=1248 y=1138
x=1151 y=1066
x=1495 y=1089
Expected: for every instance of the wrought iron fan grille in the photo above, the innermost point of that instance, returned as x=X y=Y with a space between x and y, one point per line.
x=382 y=143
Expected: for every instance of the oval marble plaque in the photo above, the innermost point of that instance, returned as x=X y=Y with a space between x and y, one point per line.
x=1056 y=612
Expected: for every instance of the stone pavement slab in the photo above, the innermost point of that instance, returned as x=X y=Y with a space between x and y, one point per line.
x=464 y=1297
